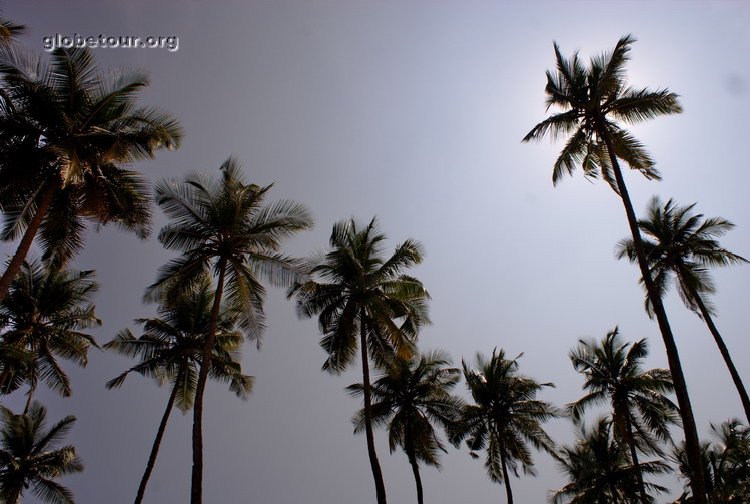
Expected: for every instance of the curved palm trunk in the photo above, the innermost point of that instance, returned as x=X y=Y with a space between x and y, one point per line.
x=692 y=444
x=724 y=353
x=30 y=395
x=377 y=473
x=196 y=483
x=508 y=490
x=636 y=463
x=155 y=447
x=417 y=478
x=16 y=262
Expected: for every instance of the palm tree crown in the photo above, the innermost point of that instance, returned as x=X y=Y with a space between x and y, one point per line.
x=364 y=300
x=410 y=396
x=31 y=456
x=505 y=417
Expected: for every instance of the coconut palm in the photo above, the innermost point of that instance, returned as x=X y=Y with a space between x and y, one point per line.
x=223 y=227
x=599 y=470
x=67 y=129
x=594 y=101
x=505 y=418
x=408 y=397
x=364 y=300
x=9 y=31
x=43 y=319
x=641 y=413
x=31 y=456
x=170 y=350
x=682 y=245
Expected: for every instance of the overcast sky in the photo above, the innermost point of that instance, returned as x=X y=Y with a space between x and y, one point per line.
x=412 y=111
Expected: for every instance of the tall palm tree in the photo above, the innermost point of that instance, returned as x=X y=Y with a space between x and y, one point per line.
x=599 y=470
x=682 y=245
x=640 y=410
x=594 y=101
x=43 y=318
x=67 y=129
x=408 y=397
x=224 y=227
x=364 y=300
x=31 y=456
x=170 y=350
x=505 y=417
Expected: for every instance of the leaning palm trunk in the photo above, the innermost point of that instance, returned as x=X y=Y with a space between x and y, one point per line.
x=508 y=490
x=377 y=473
x=155 y=447
x=417 y=478
x=692 y=444
x=11 y=272
x=196 y=486
x=706 y=314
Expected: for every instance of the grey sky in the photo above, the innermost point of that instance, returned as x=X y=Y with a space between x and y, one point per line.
x=412 y=111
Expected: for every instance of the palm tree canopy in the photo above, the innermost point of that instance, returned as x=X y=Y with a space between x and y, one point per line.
x=409 y=396
x=225 y=221
x=613 y=373
x=599 y=470
x=171 y=347
x=44 y=318
x=31 y=456
x=505 y=416
x=68 y=125
x=595 y=98
x=354 y=284
x=682 y=244
x=9 y=30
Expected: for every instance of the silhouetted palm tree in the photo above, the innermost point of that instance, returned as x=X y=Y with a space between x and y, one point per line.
x=683 y=245
x=9 y=30
x=170 y=350
x=640 y=410
x=32 y=457
x=505 y=418
x=594 y=100
x=66 y=130
x=42 y=319
x=599 y=470
x=408 y=397
x=363 y=300
x=224 y=227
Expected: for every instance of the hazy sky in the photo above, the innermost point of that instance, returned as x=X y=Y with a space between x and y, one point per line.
x=412 y=111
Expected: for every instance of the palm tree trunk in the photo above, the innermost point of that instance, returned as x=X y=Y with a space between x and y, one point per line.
x=196 y=483
x=377 y=473
x=155 y=447
x=724 y=353
x=30 y=395
x=16 y=262
x=692 y=444
x=417 y=478
x=508 y=490
x=634 y=456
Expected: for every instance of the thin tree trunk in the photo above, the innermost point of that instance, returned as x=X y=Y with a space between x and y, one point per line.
x=724 y=353
x=155 y=447
x=506 y=478
x=636 y=463
x=16 y=262
x=30 y=395
x=196 y=484
x=692 y=444
x=417 y=478
x=377 y=473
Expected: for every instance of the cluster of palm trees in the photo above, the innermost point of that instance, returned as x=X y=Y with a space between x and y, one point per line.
x=68 y=133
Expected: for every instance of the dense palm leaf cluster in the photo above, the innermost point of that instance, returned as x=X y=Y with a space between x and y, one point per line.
x=69 y=133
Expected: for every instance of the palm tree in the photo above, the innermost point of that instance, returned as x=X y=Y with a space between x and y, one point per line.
x=66 y=130
x=682 y=245
x=9 y=31
x=409 y=396
x=505 y=418
x=170 y=350
x=594 y=100
x=31 y=456
x=599 y=470
x=43 y=317
x=223 y=227
x=364 y=300
x=640 y=410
